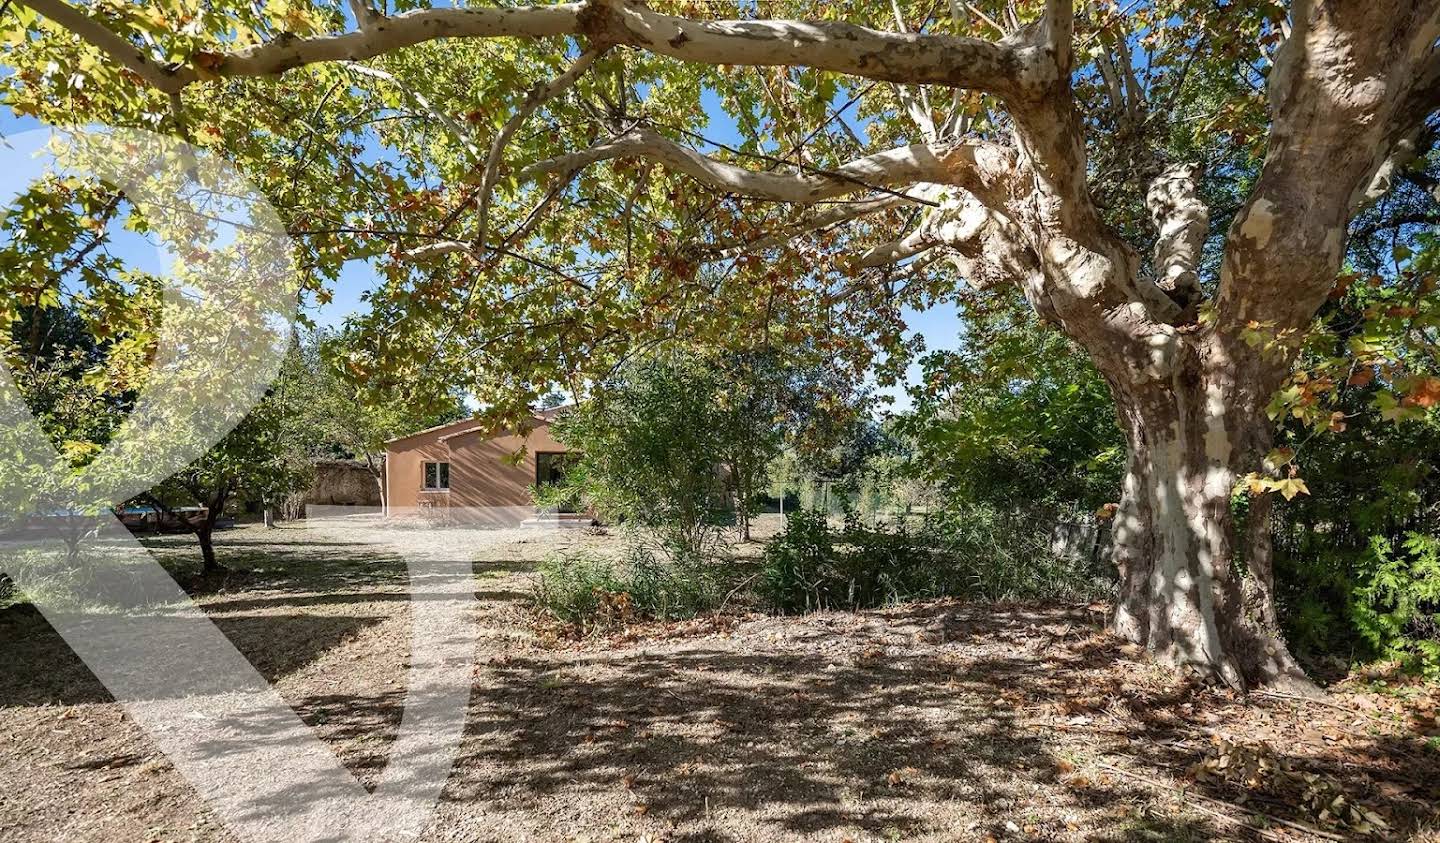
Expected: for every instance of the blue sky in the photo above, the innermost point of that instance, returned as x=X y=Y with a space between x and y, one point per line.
x=939 y=326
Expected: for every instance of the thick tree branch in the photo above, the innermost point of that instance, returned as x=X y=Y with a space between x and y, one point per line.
x=1182 y=222
x=1351 y=82
x=1406 y=150
x=986 y=248
x=989 y=251
x=437 y=249
x=1423 y=99
x=365 y=17
x=909 y=58
x=107 y=40
x=916 y=242
x=982 y=168
x=957 y=222
x=394 y=33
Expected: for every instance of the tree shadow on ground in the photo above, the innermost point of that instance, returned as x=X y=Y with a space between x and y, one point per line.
x=41 y=669
x=278 y=559
x=274 y=564
x=941 y=720
x=818 y=736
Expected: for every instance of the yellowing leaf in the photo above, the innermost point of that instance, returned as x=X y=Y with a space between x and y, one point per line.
x=1290 y=487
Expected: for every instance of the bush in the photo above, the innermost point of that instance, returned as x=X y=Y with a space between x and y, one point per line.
x=962 y=552
x=669 y=444
x=796 y=573
x=1001 y=555
x=1356 y=566
x=596 y=595
x=1396 y=607
x=580 y=591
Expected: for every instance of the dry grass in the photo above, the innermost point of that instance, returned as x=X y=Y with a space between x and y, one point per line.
x=940 y=721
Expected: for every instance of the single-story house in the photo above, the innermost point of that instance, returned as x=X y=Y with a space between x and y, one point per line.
x=471 y=470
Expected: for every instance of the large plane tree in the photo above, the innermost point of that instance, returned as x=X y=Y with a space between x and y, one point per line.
x=537 y=184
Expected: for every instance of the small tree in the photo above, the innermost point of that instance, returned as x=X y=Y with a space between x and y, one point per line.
x=652 y=443
x=76 y=387
x=79 y=415
x=749 y=406
x=685 y=428
x=266 y=458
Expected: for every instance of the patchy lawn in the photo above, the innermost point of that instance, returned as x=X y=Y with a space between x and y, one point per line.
x=939 y=721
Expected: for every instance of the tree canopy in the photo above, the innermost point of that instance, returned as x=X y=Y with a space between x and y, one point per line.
x=1173 y=186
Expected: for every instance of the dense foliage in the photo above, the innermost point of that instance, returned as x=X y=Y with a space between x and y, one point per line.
x=652 y=451
x=1015 y=418
x=1355 y=554
x=965 y=551
x=597 y=595
x=372 y=161
x=677 y=442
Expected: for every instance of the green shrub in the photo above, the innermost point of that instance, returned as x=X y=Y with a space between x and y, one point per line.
x=966 y=552
x=596 y=595
x=1355 y=560
x=1396 y=606
x=995 y=554
x=795 y=575
x=579 y=591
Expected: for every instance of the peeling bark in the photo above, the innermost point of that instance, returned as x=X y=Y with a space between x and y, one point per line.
x=1183 y=596
x=980 y=168
x=1182 y=223
x=909 y=58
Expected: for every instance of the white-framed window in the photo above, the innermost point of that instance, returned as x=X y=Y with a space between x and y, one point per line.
x=437 y=476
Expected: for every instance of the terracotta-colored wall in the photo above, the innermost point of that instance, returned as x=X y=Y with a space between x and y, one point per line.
x=404 y=459
x=480 y=475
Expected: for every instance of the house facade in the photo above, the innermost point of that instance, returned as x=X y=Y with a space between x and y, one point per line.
x=471 y=472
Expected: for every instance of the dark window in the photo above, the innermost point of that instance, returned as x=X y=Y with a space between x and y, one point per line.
x=437 y=475
x=550 y=468
x=550 y=471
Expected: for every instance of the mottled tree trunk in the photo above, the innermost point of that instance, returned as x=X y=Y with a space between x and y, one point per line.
x=376 y=467
x=1177 y=541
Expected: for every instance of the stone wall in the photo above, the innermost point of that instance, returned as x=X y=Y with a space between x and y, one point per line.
x=342 y=483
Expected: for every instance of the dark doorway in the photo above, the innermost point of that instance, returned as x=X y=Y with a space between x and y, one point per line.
x=550 y=471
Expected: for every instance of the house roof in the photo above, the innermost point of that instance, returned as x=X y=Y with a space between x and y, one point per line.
x=473 y=425
x=463 y=431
